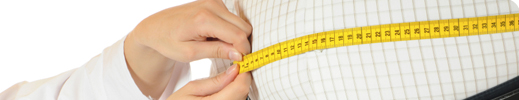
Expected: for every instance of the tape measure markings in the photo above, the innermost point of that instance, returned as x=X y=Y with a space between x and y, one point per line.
x=380 y=33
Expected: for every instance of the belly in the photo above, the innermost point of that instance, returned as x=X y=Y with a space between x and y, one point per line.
x=442 y=68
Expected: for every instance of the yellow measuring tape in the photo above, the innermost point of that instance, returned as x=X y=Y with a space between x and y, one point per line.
x=380 y=33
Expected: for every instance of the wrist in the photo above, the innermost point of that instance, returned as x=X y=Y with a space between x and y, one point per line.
x=150 y=70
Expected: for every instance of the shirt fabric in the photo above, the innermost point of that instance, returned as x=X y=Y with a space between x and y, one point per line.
x=440 y=68
x=106 y=76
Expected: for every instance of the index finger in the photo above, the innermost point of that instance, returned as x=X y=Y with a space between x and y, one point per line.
x=225 y=31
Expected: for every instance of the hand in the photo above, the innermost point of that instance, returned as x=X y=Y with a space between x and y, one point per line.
x=201 y=29
x=226 y=86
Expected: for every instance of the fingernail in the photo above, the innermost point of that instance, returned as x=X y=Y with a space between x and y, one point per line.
x=235 y=55
x=230 y=69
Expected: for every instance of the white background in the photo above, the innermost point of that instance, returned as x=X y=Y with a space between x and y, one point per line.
x=43 y=38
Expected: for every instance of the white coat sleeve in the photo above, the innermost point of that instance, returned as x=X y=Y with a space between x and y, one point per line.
x=104 y=77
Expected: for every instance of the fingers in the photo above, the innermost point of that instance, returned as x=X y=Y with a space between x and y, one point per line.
x=221 y=10
x=236 y=90
x=215 y=49
x=240 y=12
x=212 y=85
x=225 y=31
x=226 y=86
x=241 y=43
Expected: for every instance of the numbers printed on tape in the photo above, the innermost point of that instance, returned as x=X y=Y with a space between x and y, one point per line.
x=380 y=33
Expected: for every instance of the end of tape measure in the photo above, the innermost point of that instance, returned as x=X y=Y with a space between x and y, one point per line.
x=239 y=64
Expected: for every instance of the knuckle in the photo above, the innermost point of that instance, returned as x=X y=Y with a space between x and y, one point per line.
x=202 y=16
x=216 y=81
x=241 y=36
x=219 y=52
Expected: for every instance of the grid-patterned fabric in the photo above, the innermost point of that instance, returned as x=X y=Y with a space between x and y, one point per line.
x=445 y=68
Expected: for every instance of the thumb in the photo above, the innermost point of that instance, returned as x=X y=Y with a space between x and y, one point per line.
x=216 y=49
x=212 y=85
x=236 y=90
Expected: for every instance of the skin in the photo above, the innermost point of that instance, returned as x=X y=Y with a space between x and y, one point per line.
x=200 y=29
x=225 y=86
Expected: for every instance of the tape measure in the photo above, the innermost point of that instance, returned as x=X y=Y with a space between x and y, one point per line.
x=380 y=33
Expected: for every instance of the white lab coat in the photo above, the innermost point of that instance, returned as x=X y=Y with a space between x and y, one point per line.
x=104 y=77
